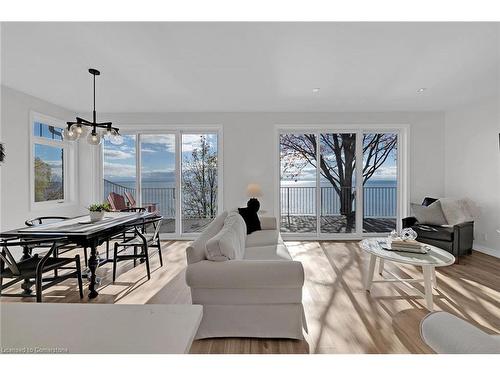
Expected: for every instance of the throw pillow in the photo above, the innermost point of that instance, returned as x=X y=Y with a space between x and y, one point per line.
x=229 y=243
x=430 y=215
x=456 y=211
x=251 y=219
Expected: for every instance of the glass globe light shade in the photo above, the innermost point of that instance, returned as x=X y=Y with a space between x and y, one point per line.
x=108 y=134
x=116 y=139
x=69 y=134
x=94 y=138
x=79 y=129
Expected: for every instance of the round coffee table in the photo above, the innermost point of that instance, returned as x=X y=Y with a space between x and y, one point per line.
x=435 y=257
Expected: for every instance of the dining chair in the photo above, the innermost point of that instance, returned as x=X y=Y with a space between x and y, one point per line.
x=143 y=241
x=128 y=232
x=54 y=219
x=34 y=267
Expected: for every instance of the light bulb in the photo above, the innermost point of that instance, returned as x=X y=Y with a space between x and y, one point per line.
x=94 y=138
x=69 y=134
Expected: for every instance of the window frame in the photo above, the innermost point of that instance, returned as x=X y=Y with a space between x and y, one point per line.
x=403 y=182
x=178 y=130
x=68 y=162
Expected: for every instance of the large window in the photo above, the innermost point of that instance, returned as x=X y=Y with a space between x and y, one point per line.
x=323 y=189
x=48 y=162
x=173 y=173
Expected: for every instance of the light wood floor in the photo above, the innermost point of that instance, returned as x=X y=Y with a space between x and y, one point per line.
x=341 y=316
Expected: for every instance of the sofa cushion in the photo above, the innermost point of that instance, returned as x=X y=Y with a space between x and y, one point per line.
x=431 y=214
x=433 y=232
x=196 y=251
x=270 y=252
x=229 y=243
x=262 y=238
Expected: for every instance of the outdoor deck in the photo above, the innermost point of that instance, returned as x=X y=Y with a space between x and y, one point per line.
x=334 y=224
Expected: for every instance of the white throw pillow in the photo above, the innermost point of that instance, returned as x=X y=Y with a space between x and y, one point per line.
x=229 y=243
x=430 y=215
x=456 y=211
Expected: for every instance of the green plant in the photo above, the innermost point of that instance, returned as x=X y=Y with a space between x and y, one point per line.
x=99 y=207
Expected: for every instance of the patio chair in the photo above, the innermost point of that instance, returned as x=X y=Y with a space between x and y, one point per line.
x=54 y=219
x=142 y=240
x=34 y=267
x=117 y=202
x=151 y=207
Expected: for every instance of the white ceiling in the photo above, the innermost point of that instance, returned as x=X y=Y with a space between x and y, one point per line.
x=162 y=67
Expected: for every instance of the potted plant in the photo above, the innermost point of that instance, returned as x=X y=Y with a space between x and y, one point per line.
x=97 y=211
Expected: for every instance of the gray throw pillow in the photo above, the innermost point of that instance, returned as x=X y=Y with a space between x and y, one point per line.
x=431 y=215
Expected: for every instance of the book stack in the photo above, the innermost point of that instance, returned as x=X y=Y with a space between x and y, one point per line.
x=408 y=245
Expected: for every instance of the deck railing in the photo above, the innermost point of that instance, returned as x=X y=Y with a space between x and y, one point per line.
x=379 y=201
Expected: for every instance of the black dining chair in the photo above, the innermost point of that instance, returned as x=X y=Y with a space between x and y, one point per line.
x=54 y=219
x=142 y=240
x=34 y=267
x=128 y=232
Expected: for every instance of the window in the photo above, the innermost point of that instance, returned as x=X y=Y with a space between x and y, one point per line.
x=339 y=183
x=49 y=161
x=173 y=172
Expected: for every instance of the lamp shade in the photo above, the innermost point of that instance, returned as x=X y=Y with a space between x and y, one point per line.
x=254 y=191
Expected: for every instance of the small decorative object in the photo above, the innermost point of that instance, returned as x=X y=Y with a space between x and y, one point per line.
x=2 y=152
x=253 y=192
x=408 y=234
x=97 y=211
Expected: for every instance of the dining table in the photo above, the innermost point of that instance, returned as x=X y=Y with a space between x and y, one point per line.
x=84 y=233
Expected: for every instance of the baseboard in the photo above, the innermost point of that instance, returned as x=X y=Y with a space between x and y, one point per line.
x=487 y=250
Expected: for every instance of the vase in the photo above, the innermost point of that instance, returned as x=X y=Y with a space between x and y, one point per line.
x=96 y=215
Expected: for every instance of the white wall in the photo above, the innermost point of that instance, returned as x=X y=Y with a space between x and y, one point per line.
x=472 y=166
x=250 y=147
x=15 y=183
x=249 y=150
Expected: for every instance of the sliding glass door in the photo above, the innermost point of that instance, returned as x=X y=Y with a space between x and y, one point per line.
x=199 y=180
x=158 y=177
x=380 y=182
x=175 y=174
x=336 y=198
x=298 y=180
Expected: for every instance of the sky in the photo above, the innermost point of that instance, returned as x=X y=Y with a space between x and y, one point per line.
x=157 y=156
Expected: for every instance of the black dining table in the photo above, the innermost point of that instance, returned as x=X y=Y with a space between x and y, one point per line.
x=84 y=233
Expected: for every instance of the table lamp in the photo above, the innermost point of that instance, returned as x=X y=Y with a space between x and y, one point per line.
x=253 y=192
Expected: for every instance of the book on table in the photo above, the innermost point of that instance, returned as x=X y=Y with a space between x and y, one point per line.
x=411 y=246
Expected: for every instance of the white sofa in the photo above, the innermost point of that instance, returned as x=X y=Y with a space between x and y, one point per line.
x=257 y=295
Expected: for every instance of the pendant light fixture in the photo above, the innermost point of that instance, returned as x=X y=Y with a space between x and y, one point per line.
x=78 y=129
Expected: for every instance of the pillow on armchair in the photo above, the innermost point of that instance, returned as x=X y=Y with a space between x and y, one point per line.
x=457 y=211
x=430 y=215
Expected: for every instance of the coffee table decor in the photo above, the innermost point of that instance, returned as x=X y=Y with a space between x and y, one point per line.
x=432 y=258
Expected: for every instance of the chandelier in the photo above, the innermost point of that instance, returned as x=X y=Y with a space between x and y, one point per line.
x=78 y=129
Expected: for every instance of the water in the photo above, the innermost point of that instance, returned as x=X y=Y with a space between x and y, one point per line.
x=299 y=198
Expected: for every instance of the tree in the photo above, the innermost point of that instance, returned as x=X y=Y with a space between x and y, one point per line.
x=199 y=181
x=43 y=176
x=337 y=160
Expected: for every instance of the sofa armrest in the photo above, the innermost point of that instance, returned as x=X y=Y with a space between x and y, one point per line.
x=268 y=222
x=408 y=222
x=245 y=274
x=463 y=236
